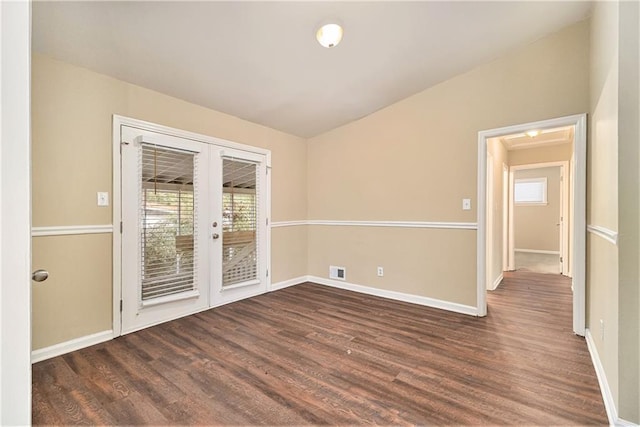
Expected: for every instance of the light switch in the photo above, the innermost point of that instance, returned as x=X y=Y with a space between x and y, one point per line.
x=466 y=204
x=103 y=198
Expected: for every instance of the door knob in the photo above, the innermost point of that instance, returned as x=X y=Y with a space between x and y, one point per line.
x=215 y=235
x=40 y=275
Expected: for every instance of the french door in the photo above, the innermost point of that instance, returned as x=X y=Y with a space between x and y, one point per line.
x=193 y=226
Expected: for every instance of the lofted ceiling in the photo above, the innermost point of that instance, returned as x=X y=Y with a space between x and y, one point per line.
x=260 y=61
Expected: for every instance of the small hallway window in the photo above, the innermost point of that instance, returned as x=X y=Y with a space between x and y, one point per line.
x=530 y=191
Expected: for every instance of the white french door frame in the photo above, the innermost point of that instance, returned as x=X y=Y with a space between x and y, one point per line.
x=578 y=226
x=118 y=123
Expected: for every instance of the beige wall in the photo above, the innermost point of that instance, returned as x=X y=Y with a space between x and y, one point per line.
x=535 y=225
x=602 y=188
x=552 y=153
x=628 y=211
x=416 y=160
x=72 y=160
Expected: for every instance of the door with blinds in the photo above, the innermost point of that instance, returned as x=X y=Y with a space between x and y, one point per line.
x=191 y=234
x=242 y=269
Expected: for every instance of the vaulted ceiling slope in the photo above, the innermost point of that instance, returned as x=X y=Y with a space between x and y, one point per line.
x=260 y=61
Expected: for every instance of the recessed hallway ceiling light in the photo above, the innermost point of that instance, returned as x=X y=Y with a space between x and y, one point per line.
x=329 y=35
x=533 y=133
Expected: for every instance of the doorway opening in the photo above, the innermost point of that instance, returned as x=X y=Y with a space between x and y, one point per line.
x=539 y=220
x=550 y=146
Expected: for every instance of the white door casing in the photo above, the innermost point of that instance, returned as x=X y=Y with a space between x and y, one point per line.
x=15 y=213
x=578 y=224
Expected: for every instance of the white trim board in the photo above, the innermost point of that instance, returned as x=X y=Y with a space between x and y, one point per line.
x=497 y=282
x=537 y=251
x=400 y=224
x=277 y=224
x=607 y=234
x=607 y=396
x=71 y=345
x=67 y=230
x=287 y=283
x=399 y=296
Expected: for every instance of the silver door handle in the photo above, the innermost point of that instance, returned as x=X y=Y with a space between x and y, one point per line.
x=215 y=235
x=40 y=275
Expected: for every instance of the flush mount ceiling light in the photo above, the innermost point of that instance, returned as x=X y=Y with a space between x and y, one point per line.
x=329 y=35
x=533 y=133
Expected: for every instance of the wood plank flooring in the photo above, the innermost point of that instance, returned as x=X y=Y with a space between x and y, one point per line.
x=313 y=355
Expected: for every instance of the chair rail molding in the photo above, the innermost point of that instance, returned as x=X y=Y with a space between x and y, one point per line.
x=397 y=224
x=67 y=230
x=607 y=234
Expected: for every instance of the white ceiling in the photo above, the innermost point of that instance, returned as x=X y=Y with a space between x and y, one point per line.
x=260 y=60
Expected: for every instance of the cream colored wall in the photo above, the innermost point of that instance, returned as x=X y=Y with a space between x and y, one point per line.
x=602 y=188
x=628 y=209
x=72 y=160
x=417 y=159
x=535 y=226
x=552 y=153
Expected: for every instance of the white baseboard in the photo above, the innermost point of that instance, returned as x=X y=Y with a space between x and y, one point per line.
x=69 y=346
x=287 y=283
x=537 y=251
x=497 y=282
x=607 y=397
x=399 y=296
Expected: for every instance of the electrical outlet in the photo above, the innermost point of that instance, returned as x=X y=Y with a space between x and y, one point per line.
x=601 y=330
x=466 y=204
x=103 y=198
x=380 y=271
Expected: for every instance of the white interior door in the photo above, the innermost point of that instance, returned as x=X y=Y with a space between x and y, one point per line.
x=194 y=232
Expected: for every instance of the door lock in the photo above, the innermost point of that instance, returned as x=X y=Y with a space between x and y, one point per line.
x=215 y=224
x=215 y=235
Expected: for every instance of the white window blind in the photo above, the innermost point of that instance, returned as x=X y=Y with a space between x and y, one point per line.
x=168 y=220
x=530 y=191
x=240 y=222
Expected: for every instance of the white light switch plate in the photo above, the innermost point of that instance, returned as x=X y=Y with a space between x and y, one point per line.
x=103 y=198
x=466 y=204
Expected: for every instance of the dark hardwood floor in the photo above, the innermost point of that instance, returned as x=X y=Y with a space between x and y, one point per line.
x=310 y=354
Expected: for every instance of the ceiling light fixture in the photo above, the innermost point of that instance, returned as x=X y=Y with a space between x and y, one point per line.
x=533 y=133
x=329 y=35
